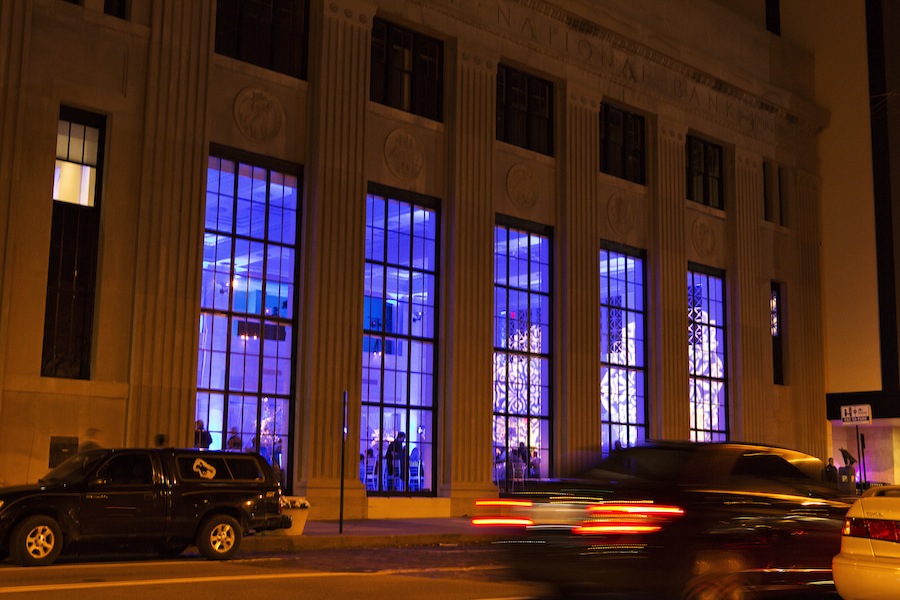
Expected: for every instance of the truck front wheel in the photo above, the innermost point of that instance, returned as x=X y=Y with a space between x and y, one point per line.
x=36 y=541
x=219 y=537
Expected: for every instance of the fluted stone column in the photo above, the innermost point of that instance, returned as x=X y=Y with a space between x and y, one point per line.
x=467 y=376
x=14 y=20
x=170 y=233
x=807 y=363
x=334 y=256
x=669 y=399
x=750 y=364
x=579 y=293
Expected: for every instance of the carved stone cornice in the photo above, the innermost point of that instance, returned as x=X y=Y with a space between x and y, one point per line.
x=616 y=58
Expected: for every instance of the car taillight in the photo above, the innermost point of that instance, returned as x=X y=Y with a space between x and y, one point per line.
x=876 y=529
x=504 y=502
x=502 y=522
x=627 y=518
x=502 y=513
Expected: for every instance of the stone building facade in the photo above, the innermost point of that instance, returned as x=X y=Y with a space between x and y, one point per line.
x=718 y=194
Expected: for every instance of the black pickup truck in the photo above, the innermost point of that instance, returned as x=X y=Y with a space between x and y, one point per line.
x=169 y=498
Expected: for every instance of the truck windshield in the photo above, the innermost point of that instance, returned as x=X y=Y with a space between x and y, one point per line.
x=74 y=469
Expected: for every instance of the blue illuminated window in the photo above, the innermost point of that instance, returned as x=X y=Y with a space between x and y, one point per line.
x=522 y=342
x=706 y=356
x=247 y=303
x=623 y=415
x=399 y=334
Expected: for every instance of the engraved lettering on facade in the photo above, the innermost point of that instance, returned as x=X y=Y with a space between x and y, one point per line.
x=503 y=17
x=584 y=49
x=599 y=49
x=695 y=98
x=628 y=70
x=528 y=29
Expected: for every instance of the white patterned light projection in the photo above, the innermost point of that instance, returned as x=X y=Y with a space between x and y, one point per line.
x=707 y=369
x=517 y=384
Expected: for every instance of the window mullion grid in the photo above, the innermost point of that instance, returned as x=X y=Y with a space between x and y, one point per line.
x=68 y=140
x=409 y=311
x=707 y=175
x=229 y=320
x=260 y=365
x=384 y=284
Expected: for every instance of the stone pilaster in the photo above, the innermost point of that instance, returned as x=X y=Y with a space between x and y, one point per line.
x=578 y=324
x=806 y=364
x=334 y=253
x=466 y=371
x=669 y=399
x=748 y=301
x=14 y=19
x=163 y=372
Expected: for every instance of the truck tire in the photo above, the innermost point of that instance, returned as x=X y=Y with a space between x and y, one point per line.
x=219 y=537
x=36 y=541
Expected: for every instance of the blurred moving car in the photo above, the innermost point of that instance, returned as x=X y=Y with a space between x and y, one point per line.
x=677 y=520
x=868 y=566
x=168 y=498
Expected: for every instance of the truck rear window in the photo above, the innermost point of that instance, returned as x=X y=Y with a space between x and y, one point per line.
x=205 y=467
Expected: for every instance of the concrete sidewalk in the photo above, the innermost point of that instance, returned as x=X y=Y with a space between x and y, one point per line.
x=370 y=533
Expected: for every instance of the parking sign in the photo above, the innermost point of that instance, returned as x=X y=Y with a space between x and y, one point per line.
x=857 y=414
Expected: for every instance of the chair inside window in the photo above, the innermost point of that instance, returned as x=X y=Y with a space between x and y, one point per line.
x=518 y=475
x=415 y=477
x=371 y=480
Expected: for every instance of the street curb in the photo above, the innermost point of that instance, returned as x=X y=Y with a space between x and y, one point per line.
x=300 y=543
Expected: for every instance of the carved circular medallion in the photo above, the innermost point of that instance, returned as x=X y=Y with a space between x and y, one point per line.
x=620 y=213
x=258 y=114
x=403 y=154
x=704 y=237
x=523 y=186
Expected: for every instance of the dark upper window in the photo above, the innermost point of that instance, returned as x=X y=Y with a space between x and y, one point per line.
x=267 y=33
x=705 y=182
x=407 y=70
x=524 y=110
x=622 y=144
x=773 y=16
x=117 y=8
x=74 y=236
x=773 y=192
